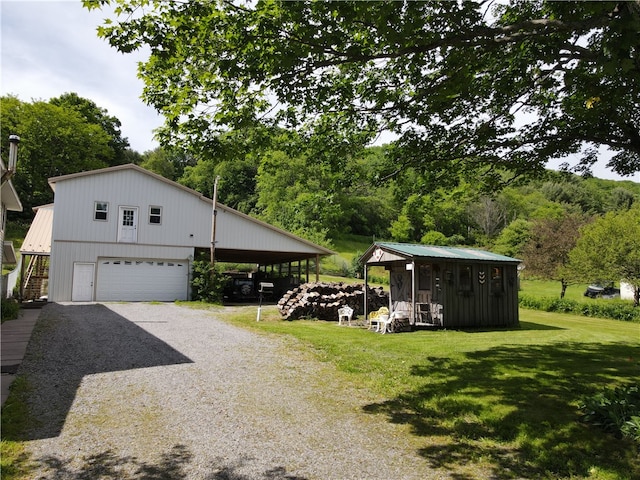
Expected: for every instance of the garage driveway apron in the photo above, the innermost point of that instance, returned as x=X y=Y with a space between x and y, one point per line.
x=151 y=391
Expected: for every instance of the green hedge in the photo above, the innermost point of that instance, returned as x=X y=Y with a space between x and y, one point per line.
x=613 y=309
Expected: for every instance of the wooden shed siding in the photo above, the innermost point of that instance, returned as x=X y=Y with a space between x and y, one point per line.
x=64 y=254
x=480 y=307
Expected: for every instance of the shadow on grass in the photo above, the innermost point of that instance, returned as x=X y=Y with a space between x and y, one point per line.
x=173 y=465
x=516 y=408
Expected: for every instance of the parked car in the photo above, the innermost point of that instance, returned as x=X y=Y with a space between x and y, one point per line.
x=598 y=290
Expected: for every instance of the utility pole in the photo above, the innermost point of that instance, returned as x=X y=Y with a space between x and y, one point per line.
x=213 y=224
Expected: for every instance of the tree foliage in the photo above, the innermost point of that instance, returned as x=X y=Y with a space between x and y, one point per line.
x=609 y=249
x=546 y=253
x=464 y=86
x=93 y=114
x=54 y=141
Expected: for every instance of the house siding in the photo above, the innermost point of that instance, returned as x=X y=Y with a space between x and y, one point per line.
x=77 y=197
x=185 y=224
x=64 y=254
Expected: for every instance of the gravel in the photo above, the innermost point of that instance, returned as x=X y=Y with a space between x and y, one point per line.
x=158 y=391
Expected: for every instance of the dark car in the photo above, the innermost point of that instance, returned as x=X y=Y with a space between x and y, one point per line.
x=597 y=290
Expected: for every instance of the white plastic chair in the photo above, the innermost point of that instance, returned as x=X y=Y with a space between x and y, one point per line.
x=345 y=312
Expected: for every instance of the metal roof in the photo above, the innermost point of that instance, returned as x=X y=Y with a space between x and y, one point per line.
x=38 y=238
x=433 y=251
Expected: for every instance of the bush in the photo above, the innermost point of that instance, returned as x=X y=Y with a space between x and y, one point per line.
x=616 y=411
x=10 y=309
x=206 y=287
x=615 y=310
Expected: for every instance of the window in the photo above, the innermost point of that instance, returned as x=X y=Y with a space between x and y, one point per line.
x=424 y=277
x=155 y=215
x=497 y=285
x=464 y=278
x=100 y=211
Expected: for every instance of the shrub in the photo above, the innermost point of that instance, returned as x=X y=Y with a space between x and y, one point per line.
x=10 y=309
x=616 y=411
x=614 y=310
x=206 y=287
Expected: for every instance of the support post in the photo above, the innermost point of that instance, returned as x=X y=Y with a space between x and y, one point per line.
x=214 y=215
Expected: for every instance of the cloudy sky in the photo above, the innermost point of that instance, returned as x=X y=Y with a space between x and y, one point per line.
x=50 y=47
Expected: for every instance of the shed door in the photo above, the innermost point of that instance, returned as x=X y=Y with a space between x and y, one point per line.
x=139 y=280
x=82 y=283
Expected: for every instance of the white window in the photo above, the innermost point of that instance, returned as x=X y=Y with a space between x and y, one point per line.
x=155 y=215
x=100 y=211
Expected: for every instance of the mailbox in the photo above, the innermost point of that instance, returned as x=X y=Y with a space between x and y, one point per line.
x=265 y=288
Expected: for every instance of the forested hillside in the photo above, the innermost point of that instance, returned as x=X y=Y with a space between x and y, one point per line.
x=305 y=196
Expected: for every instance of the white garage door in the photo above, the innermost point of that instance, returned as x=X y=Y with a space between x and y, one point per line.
x=131 y=280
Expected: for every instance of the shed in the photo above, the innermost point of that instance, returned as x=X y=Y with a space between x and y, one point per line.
x=447 y=287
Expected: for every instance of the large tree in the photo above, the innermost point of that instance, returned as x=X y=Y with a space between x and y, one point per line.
x=546 y=253
x=54 y=141
x=462 y=85
x=98 y=116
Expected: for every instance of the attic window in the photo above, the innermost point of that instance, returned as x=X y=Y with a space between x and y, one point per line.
x=155 y=215
x=100 y=211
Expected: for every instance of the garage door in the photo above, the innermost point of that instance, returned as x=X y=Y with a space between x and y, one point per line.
x=131 y=280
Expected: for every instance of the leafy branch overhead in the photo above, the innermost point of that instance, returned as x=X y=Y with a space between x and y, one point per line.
x=459 y=84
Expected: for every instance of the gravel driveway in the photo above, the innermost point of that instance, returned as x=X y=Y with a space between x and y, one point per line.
x=158 y=391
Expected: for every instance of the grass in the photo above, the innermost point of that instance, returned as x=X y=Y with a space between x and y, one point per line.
x=14 y=422
x=506 y=401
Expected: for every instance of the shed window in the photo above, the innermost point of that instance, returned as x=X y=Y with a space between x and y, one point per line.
x=424 y=277
x=155 y=215
x=497 y=283
x=464 y=278
x=100 y=211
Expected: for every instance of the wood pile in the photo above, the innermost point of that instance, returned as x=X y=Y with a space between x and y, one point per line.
x=322 y=300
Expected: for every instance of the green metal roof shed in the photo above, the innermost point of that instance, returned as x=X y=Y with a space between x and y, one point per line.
x=451 y=287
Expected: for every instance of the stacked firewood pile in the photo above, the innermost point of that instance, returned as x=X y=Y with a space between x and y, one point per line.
x=322 y=300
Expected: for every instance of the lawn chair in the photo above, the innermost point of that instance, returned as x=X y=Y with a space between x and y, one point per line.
x=378 y=317
x=345 y=312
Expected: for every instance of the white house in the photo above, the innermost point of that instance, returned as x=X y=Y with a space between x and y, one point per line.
x=126 y=234
x=9 y=201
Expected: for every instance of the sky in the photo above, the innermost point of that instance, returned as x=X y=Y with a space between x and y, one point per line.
x=49 y=48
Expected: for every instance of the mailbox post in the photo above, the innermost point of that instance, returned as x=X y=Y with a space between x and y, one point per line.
x=265 y=288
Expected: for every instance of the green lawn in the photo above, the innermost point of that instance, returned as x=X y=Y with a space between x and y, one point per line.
x=499 y=401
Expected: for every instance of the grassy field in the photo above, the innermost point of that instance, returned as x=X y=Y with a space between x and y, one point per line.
x=499 y=401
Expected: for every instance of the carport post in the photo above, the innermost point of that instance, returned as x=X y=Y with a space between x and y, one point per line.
x=214 y=214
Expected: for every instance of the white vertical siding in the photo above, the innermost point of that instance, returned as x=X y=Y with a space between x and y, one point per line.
x=183 y=214
x=64 y=254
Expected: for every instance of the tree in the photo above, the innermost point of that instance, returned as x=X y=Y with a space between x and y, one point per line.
x=54 y=141
x=465 y=86
x=547 y=252
x=98 y=116
x=513 y=238
x=609 y=248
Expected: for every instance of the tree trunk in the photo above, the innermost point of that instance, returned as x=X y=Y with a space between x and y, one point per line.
x=564 y=288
